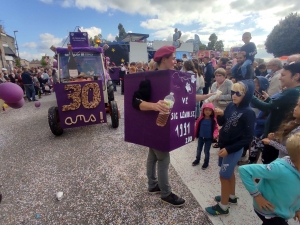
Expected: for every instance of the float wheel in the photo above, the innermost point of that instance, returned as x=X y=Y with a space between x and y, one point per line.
x=110 y=91
x=53 y=120
x=114 y=114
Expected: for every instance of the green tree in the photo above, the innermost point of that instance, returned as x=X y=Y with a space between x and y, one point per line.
x=18 y=63
x=212 y=42
x=91 y=40
x=43 y=62
x=96 y=37
x=122 y=32
x=284 y=39
x=202 y=47
x=219 y=46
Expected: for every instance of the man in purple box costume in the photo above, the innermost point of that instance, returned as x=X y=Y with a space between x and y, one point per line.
x=164 y=57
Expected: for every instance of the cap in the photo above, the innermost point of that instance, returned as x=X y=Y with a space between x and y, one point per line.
x=163 y=51
x=4 y=69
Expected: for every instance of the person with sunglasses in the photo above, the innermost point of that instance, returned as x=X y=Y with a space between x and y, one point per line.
x=278 y=108
x=237 y=130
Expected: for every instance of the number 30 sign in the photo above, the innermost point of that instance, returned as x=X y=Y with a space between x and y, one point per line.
x=81 y=95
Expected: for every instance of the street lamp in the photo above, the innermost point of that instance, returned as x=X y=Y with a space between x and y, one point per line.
x=17 y=48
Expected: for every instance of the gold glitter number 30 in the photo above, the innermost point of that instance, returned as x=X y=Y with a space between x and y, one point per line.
x=75 y=96
x=85 y=95
x=79 y=96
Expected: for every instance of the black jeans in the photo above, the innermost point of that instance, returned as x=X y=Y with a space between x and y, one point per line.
x=269 y=154
x=115 y=84
x=272 y=221
x=122 y=86
x=206 y=88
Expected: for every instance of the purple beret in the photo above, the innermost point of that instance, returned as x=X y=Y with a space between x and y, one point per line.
x=163 y=51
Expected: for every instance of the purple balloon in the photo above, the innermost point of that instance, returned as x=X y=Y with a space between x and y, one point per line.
x=16 y=105
x=37 y=104
x=10 y=92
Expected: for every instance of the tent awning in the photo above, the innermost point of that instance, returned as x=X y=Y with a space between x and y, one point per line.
x=9 y=58
x=8 y=51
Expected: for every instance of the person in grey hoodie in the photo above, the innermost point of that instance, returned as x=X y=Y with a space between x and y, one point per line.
x=223 y=85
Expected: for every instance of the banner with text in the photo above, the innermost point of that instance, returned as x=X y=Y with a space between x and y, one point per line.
x=79 y=39
x=80 y=103
x=164 y=132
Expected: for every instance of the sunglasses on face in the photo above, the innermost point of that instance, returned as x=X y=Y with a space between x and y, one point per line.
x=237 y=93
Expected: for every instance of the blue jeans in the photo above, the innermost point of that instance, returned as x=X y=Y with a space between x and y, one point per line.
x=115 y=85
x=30 y=92
x=199 y=92
x=234 y=69
x=207 y=143
x=228 y=163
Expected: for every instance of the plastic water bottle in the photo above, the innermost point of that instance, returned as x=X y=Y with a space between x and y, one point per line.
x=213 y=97
x=162 y=118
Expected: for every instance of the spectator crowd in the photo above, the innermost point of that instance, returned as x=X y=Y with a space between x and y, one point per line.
x=255 y=108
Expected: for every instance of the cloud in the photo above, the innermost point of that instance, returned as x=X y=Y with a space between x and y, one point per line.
x=110 y=37
x=30 y=56
x=67 y=3
x=46 y=40
x=207 y=13
x=228 y=20
x=92 y=31
x=47 y=1
x=29 y=45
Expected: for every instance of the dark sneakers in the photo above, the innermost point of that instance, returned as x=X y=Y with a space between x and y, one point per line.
x=231 y=201
x=196 y=162
x=216 y=210
x=155 y=190
x=204 y=166
x=174 y=200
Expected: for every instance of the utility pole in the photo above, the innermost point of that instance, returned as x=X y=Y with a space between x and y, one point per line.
x=17 y=48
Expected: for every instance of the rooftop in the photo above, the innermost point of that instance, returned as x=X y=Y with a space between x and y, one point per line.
x=131 y=37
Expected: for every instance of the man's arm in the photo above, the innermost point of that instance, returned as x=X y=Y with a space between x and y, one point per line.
x=160 y=106
x=210 y=71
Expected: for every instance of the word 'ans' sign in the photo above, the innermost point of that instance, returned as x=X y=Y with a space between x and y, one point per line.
x=80 y=103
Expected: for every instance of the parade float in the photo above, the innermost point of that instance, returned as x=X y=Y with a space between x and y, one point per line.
x=84 y=94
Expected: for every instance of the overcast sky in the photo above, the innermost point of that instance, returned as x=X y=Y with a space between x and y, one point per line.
x=41 y=23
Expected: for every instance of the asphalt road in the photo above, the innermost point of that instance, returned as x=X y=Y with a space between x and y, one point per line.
x=102 y=177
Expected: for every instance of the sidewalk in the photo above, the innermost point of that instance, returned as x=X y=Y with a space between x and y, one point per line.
x=205 y=184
